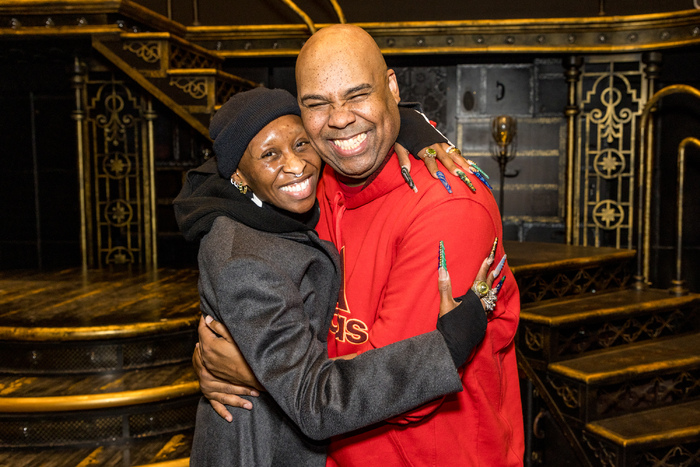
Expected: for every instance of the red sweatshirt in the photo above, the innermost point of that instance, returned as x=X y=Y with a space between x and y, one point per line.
x=389 y=237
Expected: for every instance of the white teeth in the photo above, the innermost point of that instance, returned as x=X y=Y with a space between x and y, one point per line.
x=296 y=187
x=350 y=144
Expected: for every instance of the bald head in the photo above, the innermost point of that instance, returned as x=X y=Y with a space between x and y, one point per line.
x=352 y=45
x=348 y=100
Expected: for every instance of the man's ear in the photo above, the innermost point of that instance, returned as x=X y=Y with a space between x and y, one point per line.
x=393 y=84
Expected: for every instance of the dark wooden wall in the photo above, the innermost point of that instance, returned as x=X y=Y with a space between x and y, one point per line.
x=40 y=225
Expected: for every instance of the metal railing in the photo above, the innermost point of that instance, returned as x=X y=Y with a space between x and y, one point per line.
x=645 y=178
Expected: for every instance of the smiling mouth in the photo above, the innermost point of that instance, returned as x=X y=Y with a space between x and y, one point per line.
x=297 y=187
x=351 y=143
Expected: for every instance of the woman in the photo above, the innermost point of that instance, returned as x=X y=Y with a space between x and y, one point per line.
x=268 y=278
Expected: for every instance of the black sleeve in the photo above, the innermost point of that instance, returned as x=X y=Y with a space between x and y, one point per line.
x=325 y=397
x=463 y=328
x=416 y=131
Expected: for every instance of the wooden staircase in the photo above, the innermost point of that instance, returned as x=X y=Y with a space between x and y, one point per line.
x=149 y=48
x=185 y=77
x=620 y=367
x=95 y=368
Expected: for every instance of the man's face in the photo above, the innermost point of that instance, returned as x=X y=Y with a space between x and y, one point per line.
x=350 y=113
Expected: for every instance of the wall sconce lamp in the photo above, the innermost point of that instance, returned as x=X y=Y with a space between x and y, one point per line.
x=504 y=129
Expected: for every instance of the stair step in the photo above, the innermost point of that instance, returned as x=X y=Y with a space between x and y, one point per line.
x=96 y=305
x=662 y=436
x=170 y=450
x=185 y=77
x=70 y=322
x=557 y=329
x=628 y=378
x=204 y=89
x=79 y=410
x=153 y=53
x=146 y=78
x=84 y=392
x=546 y=270
x=32 y=358
x=629 y=361
x=593 y=307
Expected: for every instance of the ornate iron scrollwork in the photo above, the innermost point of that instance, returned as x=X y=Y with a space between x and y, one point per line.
x=569 y=395
x=181 y=58
x=195 y=87
x=543 y=286
x=534 y=340
x=606 y=457
x=652 y=392
x=120 y=161
x=619 y=332
x=148 y=51
x=226 y=89
x=674 y=456
x=611 y=95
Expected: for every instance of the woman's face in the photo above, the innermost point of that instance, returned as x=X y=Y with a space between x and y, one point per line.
x=280 y=166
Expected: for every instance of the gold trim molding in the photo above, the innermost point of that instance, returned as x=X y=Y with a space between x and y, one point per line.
x=600 y=35
x=612 y=34
x=185 y=462
x=97 y=401
x=87 y=333
x=604 y=432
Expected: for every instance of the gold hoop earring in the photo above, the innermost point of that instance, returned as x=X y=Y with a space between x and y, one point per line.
x=243 y=189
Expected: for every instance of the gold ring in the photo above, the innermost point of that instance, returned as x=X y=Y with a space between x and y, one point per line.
x=454 y=149
x=481 y=288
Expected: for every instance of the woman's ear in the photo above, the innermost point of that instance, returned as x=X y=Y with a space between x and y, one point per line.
x=237 y=177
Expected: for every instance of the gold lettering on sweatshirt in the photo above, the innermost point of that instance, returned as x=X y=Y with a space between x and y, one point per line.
x=345 y=328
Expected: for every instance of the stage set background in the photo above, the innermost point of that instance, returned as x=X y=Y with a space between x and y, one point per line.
x=41 y=193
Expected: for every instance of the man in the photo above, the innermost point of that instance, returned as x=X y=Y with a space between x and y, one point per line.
x=386 y=235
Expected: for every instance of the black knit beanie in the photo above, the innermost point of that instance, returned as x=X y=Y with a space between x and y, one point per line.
x=241 y=118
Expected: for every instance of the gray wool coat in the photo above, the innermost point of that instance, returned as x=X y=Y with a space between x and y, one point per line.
x=276 y=293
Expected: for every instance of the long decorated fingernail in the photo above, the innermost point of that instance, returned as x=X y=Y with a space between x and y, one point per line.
x=492 y=255
x=464 y=178
x=407 y=176
x=500 y=284
x=497 y=271
x=443 y=180
x=442 y=262
x=483 y=180
x=477 y=168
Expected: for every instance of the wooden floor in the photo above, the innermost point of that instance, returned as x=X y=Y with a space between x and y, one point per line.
x=99 y=299
x=73 y=298
x=126 y=335
x=95 y=299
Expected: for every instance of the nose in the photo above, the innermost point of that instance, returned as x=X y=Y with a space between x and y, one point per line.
x=294 y=164
x=340 y=117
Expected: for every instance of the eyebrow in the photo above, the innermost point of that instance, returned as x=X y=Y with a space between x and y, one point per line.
x=316 y=97
x=360 y=87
